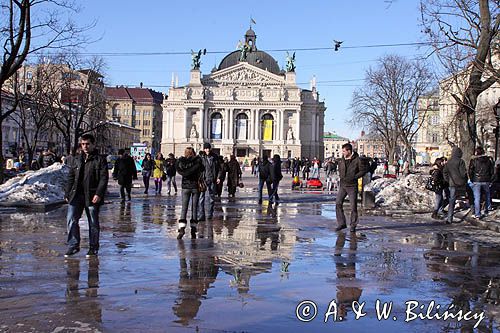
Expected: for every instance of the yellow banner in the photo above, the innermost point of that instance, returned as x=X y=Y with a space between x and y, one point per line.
x=268 y=130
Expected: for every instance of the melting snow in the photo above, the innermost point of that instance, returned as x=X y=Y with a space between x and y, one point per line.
x=41 y=186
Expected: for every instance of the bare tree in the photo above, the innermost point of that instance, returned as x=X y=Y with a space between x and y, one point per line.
x=76 y=97
x=27 y=27
x=464 y=35
x=387 y=102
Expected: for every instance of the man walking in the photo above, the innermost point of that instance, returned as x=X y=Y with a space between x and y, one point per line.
x=481 y=169
x=276 y=177
x=125 y=171
x=455 y=174
x=350 y=170
x=264 y=177
x=211 y=176
x=85 y=189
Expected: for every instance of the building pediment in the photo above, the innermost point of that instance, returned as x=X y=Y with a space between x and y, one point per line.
x=243 y=74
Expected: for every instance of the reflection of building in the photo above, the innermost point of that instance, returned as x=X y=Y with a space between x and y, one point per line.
x=370 y=146
x=246 y=106
x=137 y=107
x=333 y=144
x=430 y=132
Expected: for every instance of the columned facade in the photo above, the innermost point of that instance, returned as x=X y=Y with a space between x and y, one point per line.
x=247 y=107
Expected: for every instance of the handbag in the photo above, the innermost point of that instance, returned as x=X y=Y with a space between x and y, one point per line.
x=202 y=186
x=241 y=185
x=163 y=176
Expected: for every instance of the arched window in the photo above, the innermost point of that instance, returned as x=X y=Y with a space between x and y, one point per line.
x=216 y=126
x=242 y=126
x=267 y=127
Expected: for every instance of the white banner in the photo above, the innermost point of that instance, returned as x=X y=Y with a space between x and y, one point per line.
x=216 y=129
x=241 y=129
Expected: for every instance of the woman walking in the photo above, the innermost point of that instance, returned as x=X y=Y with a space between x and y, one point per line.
x=147 y=170
x=158 y=172
x=233 y=175
x=438 y=187
x=190 y=167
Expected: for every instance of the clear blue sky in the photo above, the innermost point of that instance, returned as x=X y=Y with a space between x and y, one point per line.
x=162 y=26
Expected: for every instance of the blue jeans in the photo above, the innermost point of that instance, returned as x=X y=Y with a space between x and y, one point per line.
x=438 y=204
x=261 y=188
x=211 y=191
x=75 y=211
x=477 y=188
x=193 y=196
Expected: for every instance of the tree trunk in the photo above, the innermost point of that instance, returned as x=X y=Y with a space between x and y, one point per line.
x=2 y=160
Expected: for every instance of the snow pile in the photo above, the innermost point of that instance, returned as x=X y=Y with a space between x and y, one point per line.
x=404 y=193
x=41 y=186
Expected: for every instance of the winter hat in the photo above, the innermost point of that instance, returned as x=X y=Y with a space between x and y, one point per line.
x=207 y=145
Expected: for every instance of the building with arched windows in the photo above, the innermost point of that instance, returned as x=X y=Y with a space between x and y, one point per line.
x=246 y=106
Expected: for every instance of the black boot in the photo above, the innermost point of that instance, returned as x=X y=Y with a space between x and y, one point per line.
x=193 y=230
x=181 y=233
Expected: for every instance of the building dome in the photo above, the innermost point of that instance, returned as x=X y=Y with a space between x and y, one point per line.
x=255 y=57
x=259 y=59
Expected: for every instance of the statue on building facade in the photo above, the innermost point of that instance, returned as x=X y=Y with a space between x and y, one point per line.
x=194 y=132
x=196 y=58
x=290 y=62
x=289 y=134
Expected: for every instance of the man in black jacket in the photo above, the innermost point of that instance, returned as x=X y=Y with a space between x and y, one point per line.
x=455 y=174
x=264 y=177
x=211 y=176
x=481 y=169
x=171 y=172
x=125 y=171
x=350 y=170
x=276 y=177
x=85 y=189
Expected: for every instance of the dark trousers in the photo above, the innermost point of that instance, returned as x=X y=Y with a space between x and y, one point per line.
x=128 y=188
x=145 y=178
x=189 y=195
x=261 y=188
x=75 y=211
x=220 y=187
x=274 y=197
x=352 y=192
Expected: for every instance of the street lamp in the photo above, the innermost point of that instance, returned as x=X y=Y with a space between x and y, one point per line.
x=496 y=109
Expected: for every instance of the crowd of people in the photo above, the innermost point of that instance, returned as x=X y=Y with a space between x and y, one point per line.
x=204 y=173
x=450 y=178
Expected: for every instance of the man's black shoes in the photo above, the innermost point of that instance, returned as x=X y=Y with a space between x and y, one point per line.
x=91 y=254
x=71 y=251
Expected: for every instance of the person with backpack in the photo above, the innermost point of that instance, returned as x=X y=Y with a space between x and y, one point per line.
x=170 y=172
x=436 y=185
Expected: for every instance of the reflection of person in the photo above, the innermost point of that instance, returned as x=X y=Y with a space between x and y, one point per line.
x=91 y=309
x=197 y=272
x=346 y=272
x=85 y=189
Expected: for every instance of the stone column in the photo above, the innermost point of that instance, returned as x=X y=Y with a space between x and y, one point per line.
x=257 y=124
x=280 y=135
x=226 y=123
x=185 y=134
x=201 y=128
x=250 y=126
x=317 y=128
x=313 y=127
x=297 y=125
x=231 y=124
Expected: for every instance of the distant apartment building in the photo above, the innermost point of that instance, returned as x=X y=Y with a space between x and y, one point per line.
x=370 y=145
x=333 y=144
x=430 y=133
x=140 y=108
x=117 y=136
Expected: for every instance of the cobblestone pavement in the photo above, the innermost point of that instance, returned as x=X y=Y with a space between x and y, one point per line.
x=248 y=270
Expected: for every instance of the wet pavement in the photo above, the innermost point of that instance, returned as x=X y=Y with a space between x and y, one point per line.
x=248 y=271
